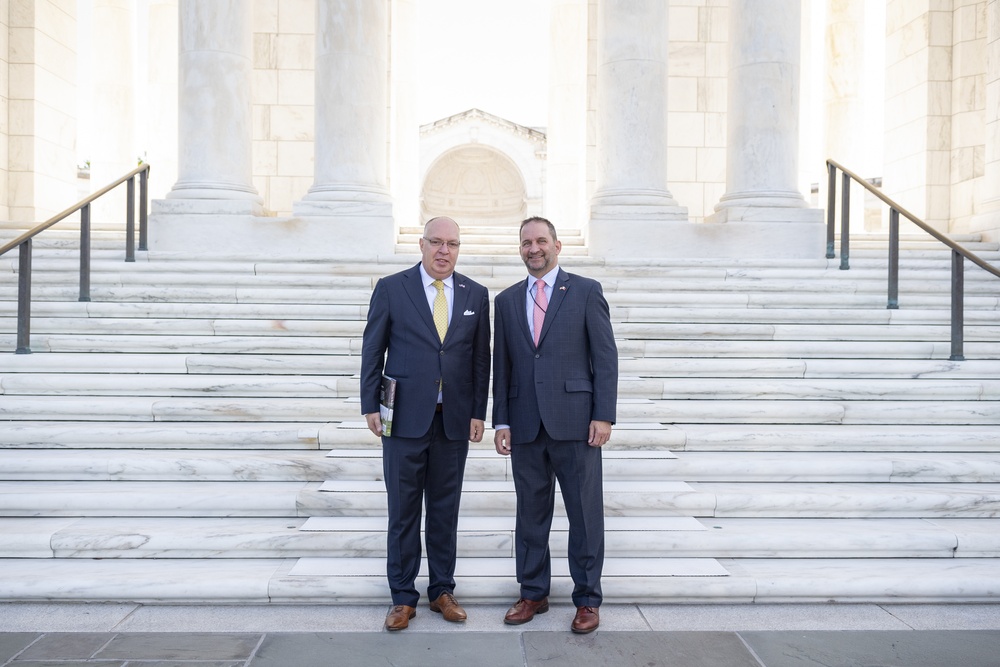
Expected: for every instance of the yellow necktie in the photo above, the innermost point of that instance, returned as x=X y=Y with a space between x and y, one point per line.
x=440 y=310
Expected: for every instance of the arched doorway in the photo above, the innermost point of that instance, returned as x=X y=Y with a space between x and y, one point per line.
x=475 y=185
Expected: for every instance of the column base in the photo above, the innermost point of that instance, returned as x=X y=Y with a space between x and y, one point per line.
x=332 y=201
x=987 y=224
x=796 y=238
x=227 y=228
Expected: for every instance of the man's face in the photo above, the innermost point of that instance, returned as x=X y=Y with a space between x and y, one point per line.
x=439 y=247
x=538 y=251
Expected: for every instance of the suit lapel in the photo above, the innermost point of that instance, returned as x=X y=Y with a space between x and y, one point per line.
x=460 y=300
x=415 y=290
x=559 y=291
x=522 y=313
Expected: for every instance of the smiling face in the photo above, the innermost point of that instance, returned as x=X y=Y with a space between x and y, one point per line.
x=539 y=250
x=439 y=247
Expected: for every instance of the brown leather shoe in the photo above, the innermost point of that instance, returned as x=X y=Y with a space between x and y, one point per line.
x=587 y=619
x=524 y=610
x=399 y=617
x=448 y=606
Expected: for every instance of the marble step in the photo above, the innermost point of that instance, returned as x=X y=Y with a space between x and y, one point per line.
x=782 y=296
x=289 y=387
x=705 y=499
x=488 y=498
x=706 y=312
x=152 y=537
x=645 y=331
x=65 y=273
x=338 y=365
x=251 y=537
x=312 y=409
x=489 y=580
x=486 y=465
x=634 y=348
x=283 y=436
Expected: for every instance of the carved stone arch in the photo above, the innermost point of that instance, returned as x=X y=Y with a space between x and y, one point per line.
x=475 y=184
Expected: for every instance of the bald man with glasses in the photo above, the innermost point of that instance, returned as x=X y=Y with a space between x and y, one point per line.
x=429 y=329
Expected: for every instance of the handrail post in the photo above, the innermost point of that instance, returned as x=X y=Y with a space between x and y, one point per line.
x=130 y=220
x=85 y=253
x=24 y=298
x=845 y=221
x=144 y=209
x=893 y=259
x=957 y=305
x=831 y=209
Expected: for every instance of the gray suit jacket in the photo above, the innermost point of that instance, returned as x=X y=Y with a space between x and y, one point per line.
x=571 y=378
x=400 y=340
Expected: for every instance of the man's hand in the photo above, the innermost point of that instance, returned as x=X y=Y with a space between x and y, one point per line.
x=476 y=430
x=374 y=423
x=501 y=440
x=600 y=433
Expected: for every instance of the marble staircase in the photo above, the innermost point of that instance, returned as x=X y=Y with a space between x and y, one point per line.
x=192 y=433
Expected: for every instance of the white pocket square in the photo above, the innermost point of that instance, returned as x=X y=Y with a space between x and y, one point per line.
x=469 y=312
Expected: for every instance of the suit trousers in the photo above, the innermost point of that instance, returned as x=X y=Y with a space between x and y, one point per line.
x=428 y=469
x=577 y=466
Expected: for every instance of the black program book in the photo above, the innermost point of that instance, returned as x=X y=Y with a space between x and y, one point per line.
x=387 y=402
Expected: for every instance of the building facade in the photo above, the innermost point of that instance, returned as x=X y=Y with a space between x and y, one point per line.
x=699 y=126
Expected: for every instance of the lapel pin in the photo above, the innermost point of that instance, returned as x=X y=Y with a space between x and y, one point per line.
x=562 y=289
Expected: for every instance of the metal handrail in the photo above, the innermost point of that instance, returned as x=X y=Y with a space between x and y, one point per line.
x=958 y=253
x=24 y=242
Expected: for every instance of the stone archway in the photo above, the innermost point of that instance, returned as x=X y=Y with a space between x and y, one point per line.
x=475 y=184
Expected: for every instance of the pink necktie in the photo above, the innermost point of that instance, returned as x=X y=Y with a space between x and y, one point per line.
x=541 y=302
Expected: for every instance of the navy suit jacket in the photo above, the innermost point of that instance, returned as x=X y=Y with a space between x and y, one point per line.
x=571 y=378
x=401 y=341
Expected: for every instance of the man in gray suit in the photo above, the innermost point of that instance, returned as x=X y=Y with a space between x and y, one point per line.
x=429 y=328
x=555 y=387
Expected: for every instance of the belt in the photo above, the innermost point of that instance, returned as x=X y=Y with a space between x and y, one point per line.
x=438 y=408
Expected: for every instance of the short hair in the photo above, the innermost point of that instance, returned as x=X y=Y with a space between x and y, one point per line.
x=538 y=218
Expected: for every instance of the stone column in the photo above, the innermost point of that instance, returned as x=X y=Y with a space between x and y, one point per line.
x=214 y=120
x=351 y=117
x=987 y=222
x=763 y=113
x=632 y=114
x=566 y=141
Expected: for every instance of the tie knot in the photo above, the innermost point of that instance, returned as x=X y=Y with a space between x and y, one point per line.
x=439 y=285
x=539 y=285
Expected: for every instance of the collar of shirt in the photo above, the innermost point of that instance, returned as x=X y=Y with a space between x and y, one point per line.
x=549 y=278
x=425 y=277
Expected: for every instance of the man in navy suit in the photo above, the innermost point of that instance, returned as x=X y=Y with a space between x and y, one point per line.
x=429 y=328
x=555 y=387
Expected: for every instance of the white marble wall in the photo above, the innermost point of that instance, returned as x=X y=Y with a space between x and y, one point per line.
x=987 y=219
x=114 y=151
x=918 y=109
x=41 y=157
x=4 y=111
x=696 y=104
x=566 y=141
x=968 y=119
x=284 y=37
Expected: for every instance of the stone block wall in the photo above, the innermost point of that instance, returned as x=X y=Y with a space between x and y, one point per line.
x=41 y=108
x=696 y=120
x=283 y=101
x=968 y=96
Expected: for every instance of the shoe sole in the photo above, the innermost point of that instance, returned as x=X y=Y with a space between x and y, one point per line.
x=540 y=610
x=583 y=632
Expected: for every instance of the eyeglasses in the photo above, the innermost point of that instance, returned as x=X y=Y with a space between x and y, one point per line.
x=437 y=243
